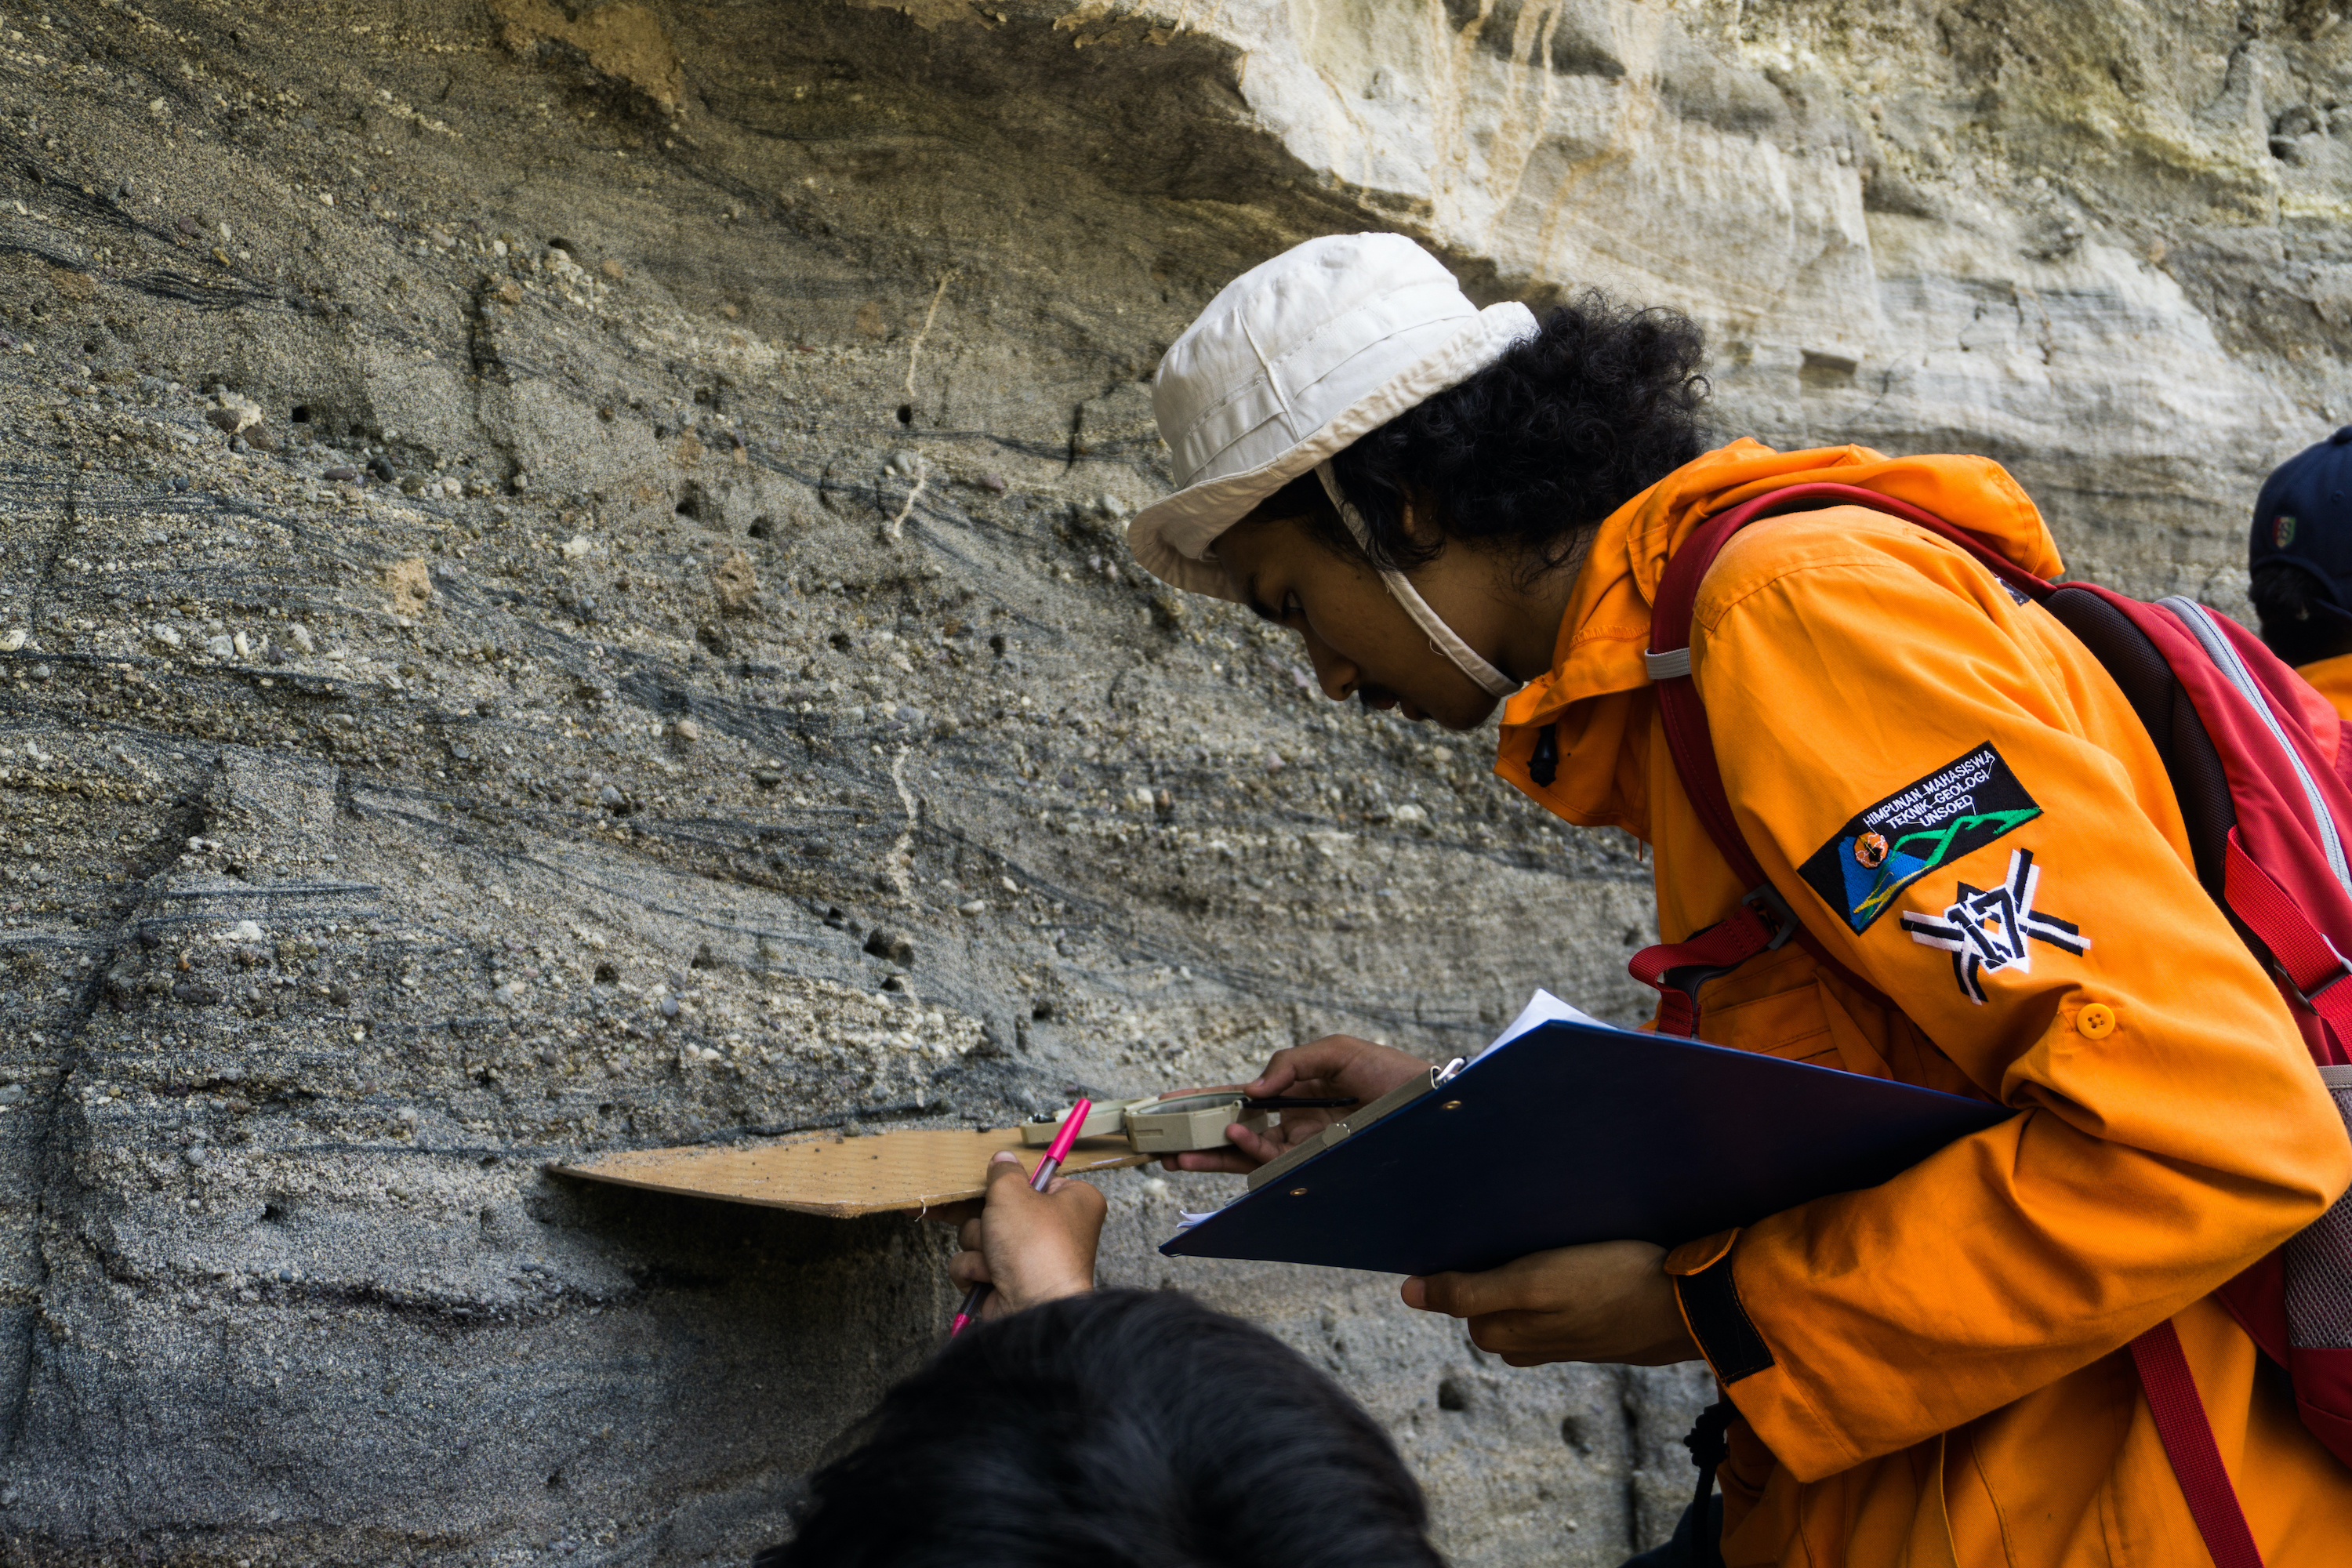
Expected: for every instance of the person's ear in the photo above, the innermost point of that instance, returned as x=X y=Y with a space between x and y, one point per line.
x=1417 y=516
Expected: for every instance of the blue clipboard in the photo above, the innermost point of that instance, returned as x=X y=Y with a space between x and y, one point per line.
x=1575 y=1132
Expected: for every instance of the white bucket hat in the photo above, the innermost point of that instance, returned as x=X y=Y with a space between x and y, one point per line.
x=1292 y=362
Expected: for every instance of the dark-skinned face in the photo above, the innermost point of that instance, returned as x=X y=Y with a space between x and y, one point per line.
x=1360 y=639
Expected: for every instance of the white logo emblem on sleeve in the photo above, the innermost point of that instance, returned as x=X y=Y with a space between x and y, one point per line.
x=1988 y=927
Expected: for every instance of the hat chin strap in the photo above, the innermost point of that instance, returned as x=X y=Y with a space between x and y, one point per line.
x=1442 y=637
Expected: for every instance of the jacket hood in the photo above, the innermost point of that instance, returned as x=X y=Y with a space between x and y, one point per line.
x=1597 y=689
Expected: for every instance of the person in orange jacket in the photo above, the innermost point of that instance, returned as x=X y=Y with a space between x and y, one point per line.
x=2299 y=560
x=1453 y=508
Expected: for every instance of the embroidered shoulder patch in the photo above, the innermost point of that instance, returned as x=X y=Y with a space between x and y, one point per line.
x=1959 y=808
x=1986 y=929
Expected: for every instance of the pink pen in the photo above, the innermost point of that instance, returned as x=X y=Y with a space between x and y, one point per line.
x=1055 y=1153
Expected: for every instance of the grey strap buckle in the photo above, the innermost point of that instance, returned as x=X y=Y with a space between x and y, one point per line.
x=1766 y=900
x=1667 y=666
x=2311 y=1000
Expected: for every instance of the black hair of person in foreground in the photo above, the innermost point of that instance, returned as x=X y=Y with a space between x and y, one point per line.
x=1117 y=1428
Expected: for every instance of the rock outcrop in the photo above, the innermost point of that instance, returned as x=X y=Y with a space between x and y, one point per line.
x=562 y=590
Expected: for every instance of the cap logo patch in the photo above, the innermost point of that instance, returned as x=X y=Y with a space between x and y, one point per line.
x=2282 y=531
x=1932 y=821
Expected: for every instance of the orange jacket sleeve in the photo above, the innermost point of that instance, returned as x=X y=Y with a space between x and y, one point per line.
x=1914 y=754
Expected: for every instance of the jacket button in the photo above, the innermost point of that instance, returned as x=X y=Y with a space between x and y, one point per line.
x=2097 y=1021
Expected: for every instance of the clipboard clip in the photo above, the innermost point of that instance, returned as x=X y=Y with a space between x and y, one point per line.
x=1444 y=1075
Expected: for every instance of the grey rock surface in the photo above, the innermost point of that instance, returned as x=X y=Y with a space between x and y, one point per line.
x=570 y=597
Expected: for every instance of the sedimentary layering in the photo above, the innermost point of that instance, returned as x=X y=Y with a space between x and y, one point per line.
x=562 y=590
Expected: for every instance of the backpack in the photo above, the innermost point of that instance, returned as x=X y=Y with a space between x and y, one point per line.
x=2269 y=822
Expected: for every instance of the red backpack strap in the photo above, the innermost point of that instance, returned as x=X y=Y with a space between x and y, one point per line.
x=2189 y=1443
x=2300 y=952
x=1764 y=921
x=1676 y=970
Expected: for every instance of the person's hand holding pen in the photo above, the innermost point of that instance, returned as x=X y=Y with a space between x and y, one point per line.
x=1336 y=1067
x=1031 y=1246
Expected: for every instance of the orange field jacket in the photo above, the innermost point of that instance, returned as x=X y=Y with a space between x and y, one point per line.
x=2332 y=678
x=1934 y=1370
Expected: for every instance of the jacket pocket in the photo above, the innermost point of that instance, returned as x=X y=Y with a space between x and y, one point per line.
x=1787 y=1020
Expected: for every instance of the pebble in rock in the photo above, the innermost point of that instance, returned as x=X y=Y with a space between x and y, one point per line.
x=669 y=1006
x=380 y=467
x=341 y=475
x=993 y=483
x=608 y=798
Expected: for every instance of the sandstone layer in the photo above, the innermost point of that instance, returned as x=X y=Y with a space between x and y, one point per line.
x=560 y=588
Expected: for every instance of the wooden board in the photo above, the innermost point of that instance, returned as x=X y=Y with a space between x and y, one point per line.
x=842 y=1177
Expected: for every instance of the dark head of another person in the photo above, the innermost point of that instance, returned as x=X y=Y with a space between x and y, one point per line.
x=1123 y=1429
x=2300 y=553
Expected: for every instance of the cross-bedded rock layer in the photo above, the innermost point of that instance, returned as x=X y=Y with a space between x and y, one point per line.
x=562 y=590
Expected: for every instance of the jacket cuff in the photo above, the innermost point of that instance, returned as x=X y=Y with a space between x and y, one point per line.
x=1705 y=1253
x=1708 y=1293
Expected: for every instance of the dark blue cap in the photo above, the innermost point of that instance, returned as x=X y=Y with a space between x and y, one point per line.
x=2304 y=518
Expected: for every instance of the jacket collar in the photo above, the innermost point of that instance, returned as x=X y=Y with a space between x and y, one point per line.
x=1597 y=675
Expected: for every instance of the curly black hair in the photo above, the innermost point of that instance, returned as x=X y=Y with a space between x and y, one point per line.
x=1568 y=424
x=2299 y=622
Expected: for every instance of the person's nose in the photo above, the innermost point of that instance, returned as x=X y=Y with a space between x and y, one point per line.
x=1334 y=672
